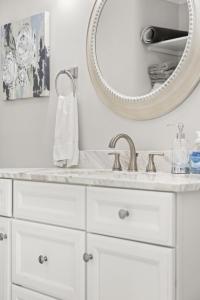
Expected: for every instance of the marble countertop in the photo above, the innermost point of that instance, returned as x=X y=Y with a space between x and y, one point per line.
x=140 y=180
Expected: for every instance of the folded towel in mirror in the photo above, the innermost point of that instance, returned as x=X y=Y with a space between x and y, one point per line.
x=160 y=68
x=159 y=73
x=163 y=75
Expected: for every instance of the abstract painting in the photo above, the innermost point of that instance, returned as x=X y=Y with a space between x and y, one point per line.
x=25 y=58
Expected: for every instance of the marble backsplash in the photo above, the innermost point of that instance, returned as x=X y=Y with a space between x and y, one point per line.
x=99 y=159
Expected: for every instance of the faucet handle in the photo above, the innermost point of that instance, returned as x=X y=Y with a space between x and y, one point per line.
x=151 y=167
x=136 y=161
x=117 y=164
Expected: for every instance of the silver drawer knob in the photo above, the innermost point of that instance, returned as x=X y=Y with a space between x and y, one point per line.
x=3 y=236
x=123 y=214
x=42 y=259
x=87 y=257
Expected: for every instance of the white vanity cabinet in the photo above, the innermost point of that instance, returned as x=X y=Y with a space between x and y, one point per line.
x=73 y=242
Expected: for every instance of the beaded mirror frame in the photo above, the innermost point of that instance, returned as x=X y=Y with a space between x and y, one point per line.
x=167 y=97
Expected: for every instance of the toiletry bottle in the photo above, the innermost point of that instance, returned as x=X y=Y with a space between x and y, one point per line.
x=195 y=156
x=180 y=154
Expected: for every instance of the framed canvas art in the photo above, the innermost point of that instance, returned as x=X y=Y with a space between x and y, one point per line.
x=25 y=58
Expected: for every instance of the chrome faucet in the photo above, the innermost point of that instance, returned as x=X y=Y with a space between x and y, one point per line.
x=132 y=166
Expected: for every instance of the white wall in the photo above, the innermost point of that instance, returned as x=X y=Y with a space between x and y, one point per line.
x=26 y=126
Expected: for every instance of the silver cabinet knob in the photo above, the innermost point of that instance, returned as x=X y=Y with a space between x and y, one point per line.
x=3 y=236
x=87 y=257
x=42 y=259
x=123 y=214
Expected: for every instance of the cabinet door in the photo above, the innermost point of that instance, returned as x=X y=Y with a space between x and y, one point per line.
x=129 y=270
x=48 y=259
x=5 y=259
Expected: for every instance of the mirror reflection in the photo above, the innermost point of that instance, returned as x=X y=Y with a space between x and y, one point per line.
x=139 y=43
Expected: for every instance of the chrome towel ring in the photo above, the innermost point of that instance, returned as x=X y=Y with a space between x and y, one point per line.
x=72 y=74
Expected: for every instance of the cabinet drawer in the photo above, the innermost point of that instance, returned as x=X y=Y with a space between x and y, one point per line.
x=49 y=260
x=6 y=197
x=19 y=293
x=57 y=204
x=138 y=215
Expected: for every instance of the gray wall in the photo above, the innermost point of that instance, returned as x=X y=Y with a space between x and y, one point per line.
x=26 y=126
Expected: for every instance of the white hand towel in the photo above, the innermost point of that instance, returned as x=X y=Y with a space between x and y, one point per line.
x=66 y=149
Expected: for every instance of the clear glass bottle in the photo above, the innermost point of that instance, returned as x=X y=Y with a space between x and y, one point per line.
x=180 y=153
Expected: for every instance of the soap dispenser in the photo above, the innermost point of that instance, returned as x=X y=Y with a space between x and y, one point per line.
x=180 y=154
x=195 y=156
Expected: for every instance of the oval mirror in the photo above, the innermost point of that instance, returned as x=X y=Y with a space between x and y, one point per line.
x=143 y=55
